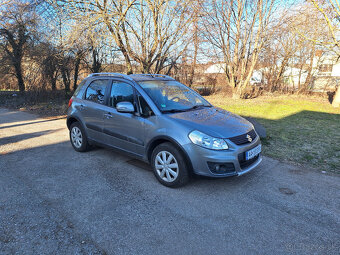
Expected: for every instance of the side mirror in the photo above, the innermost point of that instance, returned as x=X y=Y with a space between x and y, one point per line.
x=126 y=107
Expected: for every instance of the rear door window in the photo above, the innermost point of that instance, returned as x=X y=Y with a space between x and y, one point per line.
x=96 y=91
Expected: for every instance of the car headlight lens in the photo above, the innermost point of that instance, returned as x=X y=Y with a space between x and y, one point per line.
x=207 y=141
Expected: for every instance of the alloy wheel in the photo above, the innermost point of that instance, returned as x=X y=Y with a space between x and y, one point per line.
x=166 y=166
x=77 y=137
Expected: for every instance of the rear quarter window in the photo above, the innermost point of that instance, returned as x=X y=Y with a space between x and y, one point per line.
x=76 y=93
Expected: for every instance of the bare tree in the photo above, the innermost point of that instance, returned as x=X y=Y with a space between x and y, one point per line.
x=5 y=3
x=16 y=27
x=147 y=32
x=47 y=57
x=197 y=38
x=237 y=29
x=99 y=50
x=96 y=61
x=287 y=55
x=330 y=11
x=71 y=47
x=279 y=49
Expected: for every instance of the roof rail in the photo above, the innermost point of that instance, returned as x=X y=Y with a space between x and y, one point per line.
x=156 y=75
x=120 y=75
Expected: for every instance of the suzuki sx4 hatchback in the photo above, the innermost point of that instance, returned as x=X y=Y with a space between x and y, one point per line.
x=161 y=121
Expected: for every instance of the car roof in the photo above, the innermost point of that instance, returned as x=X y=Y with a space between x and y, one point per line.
x=134 y=77
x=150 y=77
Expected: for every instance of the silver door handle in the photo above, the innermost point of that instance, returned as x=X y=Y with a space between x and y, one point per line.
x=108 y=115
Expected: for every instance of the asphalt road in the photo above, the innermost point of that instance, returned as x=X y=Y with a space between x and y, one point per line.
x=54 y=200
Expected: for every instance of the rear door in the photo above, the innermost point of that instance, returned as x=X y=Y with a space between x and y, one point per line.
x=93 y=108
x=124 y=130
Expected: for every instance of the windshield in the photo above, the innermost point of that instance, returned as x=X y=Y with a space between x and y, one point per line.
x=172 y=96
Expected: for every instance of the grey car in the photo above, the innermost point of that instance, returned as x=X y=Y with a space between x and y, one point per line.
x=161 y=121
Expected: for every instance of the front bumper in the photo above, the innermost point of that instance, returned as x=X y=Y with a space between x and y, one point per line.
x=200 y=157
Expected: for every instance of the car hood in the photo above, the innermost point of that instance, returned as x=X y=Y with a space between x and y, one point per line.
x=213 y=121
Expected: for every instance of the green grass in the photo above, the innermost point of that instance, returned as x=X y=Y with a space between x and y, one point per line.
x=299 y=129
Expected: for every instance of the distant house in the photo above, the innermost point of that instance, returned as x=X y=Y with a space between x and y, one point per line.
x=326 y=73
x=294 y=76
x=218 y=68
x=336 y=70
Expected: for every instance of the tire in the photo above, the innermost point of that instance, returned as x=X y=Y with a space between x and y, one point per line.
x=78 y=138
x=173 y=173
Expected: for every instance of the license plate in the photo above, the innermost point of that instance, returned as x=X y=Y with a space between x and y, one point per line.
x=253 y=152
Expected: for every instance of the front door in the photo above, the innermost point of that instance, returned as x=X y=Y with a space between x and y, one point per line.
x=123 y=130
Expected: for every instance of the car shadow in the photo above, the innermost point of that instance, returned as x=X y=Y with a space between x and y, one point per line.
x=22 y=137
x=31 y=123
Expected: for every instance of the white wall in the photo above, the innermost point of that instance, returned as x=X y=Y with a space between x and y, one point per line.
x=216 y=68
x=336 y=70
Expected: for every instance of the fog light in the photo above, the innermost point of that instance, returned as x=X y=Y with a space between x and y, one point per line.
x=221 y=168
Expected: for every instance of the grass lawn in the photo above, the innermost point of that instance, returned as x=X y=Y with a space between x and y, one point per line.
x=299 y=129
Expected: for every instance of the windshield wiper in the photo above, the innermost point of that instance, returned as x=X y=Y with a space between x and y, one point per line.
x=173 y=110
x=185 y=110
x=198 y=106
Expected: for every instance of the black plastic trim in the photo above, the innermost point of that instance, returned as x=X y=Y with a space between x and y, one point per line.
x=123 y=137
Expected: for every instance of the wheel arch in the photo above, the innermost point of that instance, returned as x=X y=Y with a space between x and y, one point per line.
x=71 y=120
x=163 y=139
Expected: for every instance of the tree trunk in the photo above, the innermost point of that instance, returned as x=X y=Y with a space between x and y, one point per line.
x=336 y=99
x=76 y=72
x=53 y=83
x=66 y=80
x=145 y=68
x=239 y=90
x=20 y=79
x=128 y=65
x=193 y=65
x=235 y=89
x=309 y=78
x=96 y=62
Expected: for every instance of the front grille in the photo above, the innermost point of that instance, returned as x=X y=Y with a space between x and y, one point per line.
x=245 y=163
x=242 y=139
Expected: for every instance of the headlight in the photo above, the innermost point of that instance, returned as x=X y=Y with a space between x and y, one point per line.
x=207 y=141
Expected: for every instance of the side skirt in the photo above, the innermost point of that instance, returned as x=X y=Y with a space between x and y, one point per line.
x=118 y=150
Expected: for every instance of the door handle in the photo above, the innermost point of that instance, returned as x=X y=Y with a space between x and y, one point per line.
x=108 y=115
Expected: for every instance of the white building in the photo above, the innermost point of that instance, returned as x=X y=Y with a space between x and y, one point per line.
x=216 y=68
x=325 y=73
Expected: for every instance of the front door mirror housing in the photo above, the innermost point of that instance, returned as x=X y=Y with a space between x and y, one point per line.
x=126 y=107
